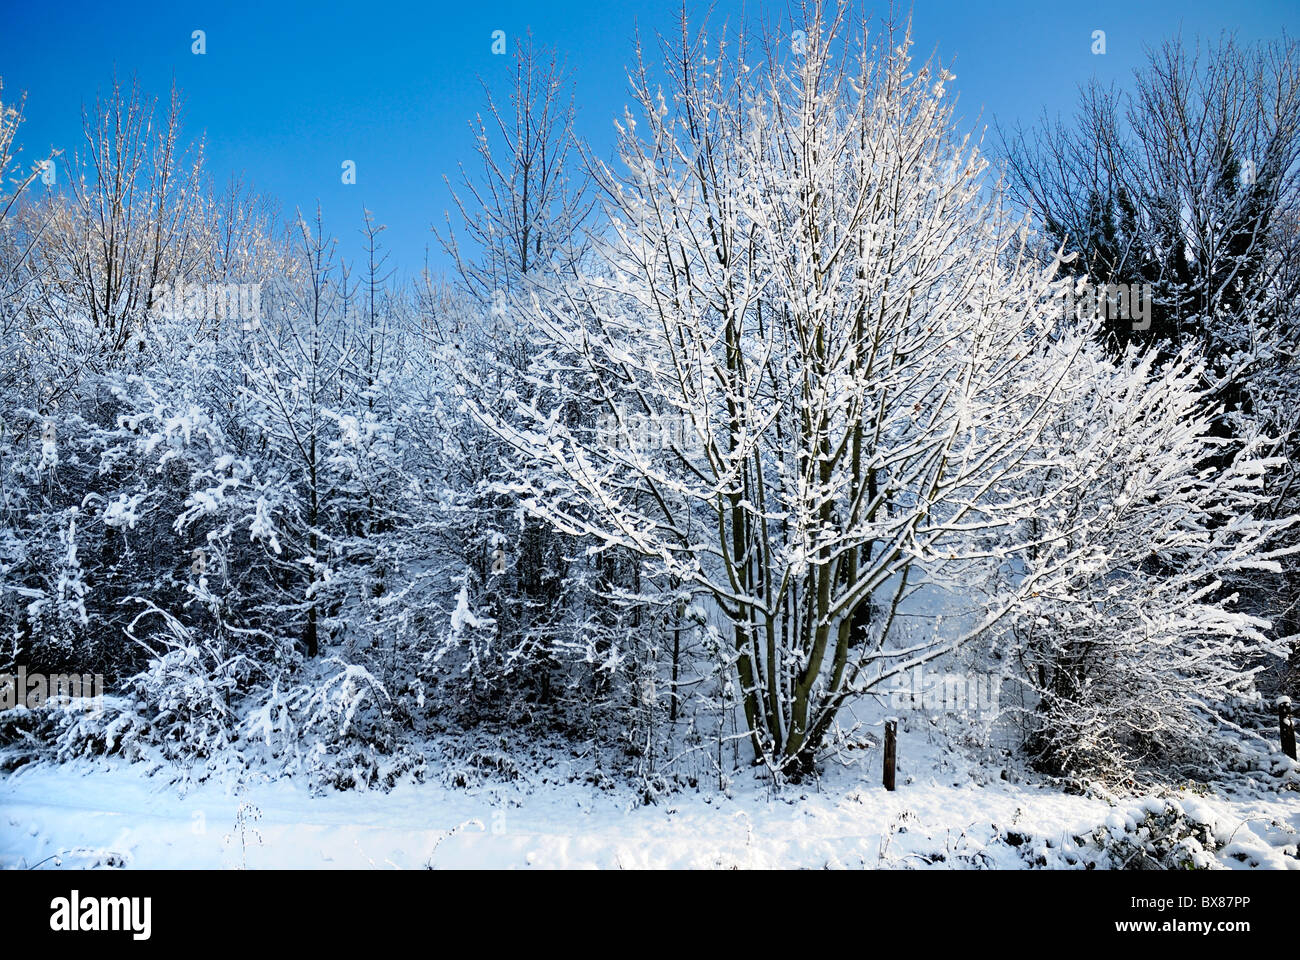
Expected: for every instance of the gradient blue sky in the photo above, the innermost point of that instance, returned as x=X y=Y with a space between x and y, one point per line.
x=288 y=91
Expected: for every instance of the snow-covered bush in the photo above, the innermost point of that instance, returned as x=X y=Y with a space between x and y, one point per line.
x=331 y=708
x=1164 y=838
x=335 y=727
x=184 y=701
x=1131 y=644
x=119 y=727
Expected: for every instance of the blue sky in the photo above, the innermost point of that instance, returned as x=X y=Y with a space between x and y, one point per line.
x=287 y=91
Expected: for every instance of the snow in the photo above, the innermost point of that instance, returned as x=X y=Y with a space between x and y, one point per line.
x=462 y=617
x=946 y=813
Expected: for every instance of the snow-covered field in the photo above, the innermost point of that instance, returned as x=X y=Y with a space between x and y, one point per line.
x=113 y=814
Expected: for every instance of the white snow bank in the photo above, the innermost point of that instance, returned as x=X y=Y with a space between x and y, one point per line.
x=114 y=814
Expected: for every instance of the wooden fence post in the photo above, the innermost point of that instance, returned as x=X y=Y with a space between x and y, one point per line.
x=891 y=751
x=1286 y=726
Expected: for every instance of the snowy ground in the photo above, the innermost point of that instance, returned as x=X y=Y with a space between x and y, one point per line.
x=109 y=813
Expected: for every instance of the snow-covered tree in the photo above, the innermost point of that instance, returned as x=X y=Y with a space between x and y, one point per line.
x=129 y=224
x=802 y=267
x=520 y=218
x=1185 y=182
x=1189 y=180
